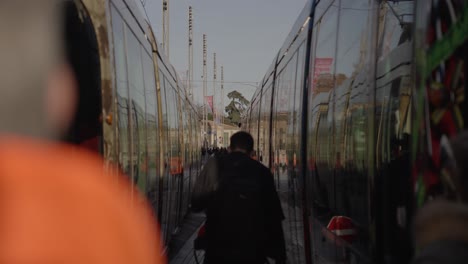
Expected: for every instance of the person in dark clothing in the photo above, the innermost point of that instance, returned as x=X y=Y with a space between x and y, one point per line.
x=244 y=213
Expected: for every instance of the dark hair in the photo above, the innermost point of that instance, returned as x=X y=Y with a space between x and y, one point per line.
x=242 y=140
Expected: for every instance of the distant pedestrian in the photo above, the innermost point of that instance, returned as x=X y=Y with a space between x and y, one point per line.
x=243 y=210
x=203 y=152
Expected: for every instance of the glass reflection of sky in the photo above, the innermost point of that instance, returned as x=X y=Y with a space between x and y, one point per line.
x=354 y=24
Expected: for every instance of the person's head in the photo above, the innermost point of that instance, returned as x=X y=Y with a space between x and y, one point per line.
x=242 y=142
x=37 y=93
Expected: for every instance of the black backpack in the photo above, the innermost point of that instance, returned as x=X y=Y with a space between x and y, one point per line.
x=236 y=226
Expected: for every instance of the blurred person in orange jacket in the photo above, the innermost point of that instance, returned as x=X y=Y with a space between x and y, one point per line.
x=57 y=203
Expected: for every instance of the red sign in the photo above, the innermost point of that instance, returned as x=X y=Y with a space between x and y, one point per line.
x=209 y=101
x=343 y=227
x=322 y=66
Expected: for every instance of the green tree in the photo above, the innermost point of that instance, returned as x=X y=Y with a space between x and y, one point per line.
x=237 y=107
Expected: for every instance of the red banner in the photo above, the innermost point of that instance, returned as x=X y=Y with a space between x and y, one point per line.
x=322 y=66
x=209 y=101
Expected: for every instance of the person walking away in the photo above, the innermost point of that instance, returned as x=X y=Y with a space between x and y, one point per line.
x=58 y=203
x=244 y=214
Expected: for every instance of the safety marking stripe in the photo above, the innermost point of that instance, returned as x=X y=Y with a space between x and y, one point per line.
x=344 y=232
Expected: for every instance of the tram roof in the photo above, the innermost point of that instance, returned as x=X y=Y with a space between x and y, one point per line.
x=293 y=34
x=297 y=28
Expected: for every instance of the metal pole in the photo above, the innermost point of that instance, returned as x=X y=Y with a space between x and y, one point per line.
x=214 y=102
x=166 y=27
x=190 y=72
x=205 y=79
x=222 y=106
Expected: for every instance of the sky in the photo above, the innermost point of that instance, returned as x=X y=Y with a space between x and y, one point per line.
x=245 y=34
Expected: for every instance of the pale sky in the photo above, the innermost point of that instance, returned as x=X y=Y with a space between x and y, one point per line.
x=245 y=34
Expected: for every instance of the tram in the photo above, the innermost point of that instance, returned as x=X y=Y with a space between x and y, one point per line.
x=358 y=98
x=133 y=108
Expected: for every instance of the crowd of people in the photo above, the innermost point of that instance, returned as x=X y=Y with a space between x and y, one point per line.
x=208 y=152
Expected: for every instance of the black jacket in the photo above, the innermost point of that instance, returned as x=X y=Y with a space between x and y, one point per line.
x=235 y=232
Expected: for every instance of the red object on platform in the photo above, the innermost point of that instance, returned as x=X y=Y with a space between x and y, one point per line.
x=343 y=227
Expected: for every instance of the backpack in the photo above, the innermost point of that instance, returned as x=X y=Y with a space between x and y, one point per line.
x=236 y=227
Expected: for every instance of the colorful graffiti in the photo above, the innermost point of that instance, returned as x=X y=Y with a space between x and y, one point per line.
x=439 y=103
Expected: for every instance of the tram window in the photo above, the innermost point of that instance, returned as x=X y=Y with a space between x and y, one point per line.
x=279 y=127
x=298 y=71
x=179 y=124
x=354 y=58
x=137 y=93
x=151 y=121
x=322 y=66
x=162 y=84
x=393 y=96
x=396 y=27
x=166 y=142
x=276 y=135
x=122 y=91
x=289 y=82
x=255 y=125
x=166 y=119
x=266 y=109
x=173 y=121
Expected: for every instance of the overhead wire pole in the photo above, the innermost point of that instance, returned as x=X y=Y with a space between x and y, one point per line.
x=214 y=102
x=166 y=27
x=205 y=84
x=222 y=105
x=190 y=72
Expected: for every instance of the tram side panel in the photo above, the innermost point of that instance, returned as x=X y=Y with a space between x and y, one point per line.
x=392 y=174
x=255 y=123
x=173 y=155
x=129 y=85
x=323 y=65
x=164 y=218
x=186 y=159
x=152 y=164
x=345 y=151
x=343 y=170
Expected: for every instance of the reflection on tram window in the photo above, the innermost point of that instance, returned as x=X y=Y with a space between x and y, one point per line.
x=322 y=66
x=393 y=97
x=152 y=136
x=136 y=82
x=122 y=92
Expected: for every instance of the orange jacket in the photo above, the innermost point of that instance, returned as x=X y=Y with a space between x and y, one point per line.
x=57 y=205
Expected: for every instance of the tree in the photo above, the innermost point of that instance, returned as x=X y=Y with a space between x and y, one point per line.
x=237 y=107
